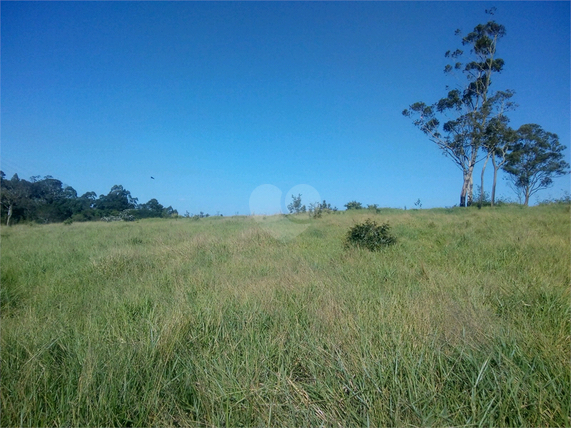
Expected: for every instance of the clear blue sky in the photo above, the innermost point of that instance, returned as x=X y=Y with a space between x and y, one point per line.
x=214 y=99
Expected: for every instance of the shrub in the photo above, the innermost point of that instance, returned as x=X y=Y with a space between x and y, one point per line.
x=370 y=235
x=565 y=199
x=353 y=205
x=317 y=209
x=295 y=207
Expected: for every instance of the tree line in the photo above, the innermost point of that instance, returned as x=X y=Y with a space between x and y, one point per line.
x=47 y=200
x=470 y=124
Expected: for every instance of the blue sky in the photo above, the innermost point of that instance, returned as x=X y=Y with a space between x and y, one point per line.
x=215 y=99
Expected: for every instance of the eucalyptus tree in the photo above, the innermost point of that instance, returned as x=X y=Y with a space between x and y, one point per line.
x=534 y=160
x=457 y=122
x=499 y=141
x=498 y=137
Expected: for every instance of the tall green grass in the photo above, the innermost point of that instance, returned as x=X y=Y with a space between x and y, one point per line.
x=247 y=321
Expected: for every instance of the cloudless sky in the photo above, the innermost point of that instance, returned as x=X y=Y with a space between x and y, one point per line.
x=215 y=99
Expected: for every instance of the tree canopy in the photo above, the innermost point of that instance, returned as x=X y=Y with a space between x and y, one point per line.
x=457 y=123
x=48 y=200
x=534 y=159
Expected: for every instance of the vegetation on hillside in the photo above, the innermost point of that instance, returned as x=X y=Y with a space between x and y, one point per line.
x=47 y=200
x=464 y=322
x=456 y=317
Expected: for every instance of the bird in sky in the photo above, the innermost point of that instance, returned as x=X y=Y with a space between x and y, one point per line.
x=153 y=177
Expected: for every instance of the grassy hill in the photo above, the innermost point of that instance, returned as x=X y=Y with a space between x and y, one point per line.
x=264 y=321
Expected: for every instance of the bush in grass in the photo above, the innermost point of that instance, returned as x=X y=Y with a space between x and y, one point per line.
x=353 y=205
x=370 y=235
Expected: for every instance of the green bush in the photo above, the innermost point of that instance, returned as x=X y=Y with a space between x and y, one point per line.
x=370 y=235
x=353 y=205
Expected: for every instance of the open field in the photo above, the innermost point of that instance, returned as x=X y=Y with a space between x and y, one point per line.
x=235 y=322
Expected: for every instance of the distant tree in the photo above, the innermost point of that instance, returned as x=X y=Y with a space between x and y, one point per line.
x=457 y=122
x=19 y=200
x=327 y=207
x=118 y=199
x=49 y=200
x=153 y=205
x=47 y=190
x=52 y=201
x=171 y=212
x=317 y=209
x=296 y=207
x=12 y=194
x=88 y=200
x=69 y=192
x=535 y=159
x=150 y=209
x=353 y=205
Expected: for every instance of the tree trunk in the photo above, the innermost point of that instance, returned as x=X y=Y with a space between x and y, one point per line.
x=9 y=214
x=482 y=180
x=527 y=195
x=465 y=189
x=470 y=186
x=493 y=197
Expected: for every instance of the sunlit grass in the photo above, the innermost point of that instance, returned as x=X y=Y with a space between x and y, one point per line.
x=268 y=322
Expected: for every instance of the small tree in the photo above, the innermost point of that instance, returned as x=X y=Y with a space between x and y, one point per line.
x=295 y=207
x=534 y=160
x=353 y=205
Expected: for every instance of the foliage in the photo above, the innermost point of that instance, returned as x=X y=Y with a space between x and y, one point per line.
x=498 y=139
x=317 y=209
x=48 y=200
x=118 y=199
x=457 y=122
x=353 y=205
x=563 y=200
x=483 y=197
x=295 y=207
x=535 y=158
x=370 y=235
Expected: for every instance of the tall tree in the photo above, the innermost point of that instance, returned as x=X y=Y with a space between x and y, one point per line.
x=534 y=160
x=499 y=140
x=497 y=136
x=461 y=137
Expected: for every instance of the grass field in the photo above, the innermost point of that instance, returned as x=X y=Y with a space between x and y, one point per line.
x=245 y=321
